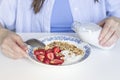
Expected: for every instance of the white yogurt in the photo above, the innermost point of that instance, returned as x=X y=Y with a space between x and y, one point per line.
x=89 y=33
x=71 y=59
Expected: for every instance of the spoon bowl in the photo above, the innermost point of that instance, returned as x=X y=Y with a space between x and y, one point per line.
x=35 y=43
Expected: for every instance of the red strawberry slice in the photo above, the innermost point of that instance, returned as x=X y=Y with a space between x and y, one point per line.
x=56 y=49
x=50 y=55
x=40 y=57
x=49 y=51
x=56 y=62
x=46 y=61
x=59 y=56
x=39 y=52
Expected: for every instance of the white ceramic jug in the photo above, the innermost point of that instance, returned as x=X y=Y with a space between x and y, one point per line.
x=89 y=32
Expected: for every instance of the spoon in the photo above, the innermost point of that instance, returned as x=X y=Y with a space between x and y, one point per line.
x=35 y=43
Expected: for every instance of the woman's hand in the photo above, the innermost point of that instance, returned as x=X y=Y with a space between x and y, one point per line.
x=11 y=44
x=110 y=32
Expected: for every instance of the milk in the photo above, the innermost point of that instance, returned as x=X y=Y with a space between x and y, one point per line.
x=89 y=32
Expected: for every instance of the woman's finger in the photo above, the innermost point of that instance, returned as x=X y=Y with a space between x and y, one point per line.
x=18 y=50
x=105 y=30
x=8 y=52
x=12 y=48
x=112 y=40
x=20 y=42
x=108 y=35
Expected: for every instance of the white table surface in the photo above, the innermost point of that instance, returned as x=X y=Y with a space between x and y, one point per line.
x=100 y=65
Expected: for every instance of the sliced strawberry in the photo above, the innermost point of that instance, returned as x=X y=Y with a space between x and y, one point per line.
x=39 y=52
x=50 y=55
x=56 y=62
x=46 y=61
x=40 y=57
x=56 y=50
x=59 y=56
x=49 y=51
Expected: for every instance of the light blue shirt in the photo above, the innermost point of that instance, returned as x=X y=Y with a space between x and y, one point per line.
x=19 y=16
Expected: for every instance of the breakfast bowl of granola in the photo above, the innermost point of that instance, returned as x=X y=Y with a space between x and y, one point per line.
x=60 y=50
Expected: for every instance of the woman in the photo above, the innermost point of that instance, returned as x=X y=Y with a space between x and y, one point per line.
x=19 y=16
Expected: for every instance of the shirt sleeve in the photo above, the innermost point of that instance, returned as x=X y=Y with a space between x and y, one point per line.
x=7 y=13
x=113 y=7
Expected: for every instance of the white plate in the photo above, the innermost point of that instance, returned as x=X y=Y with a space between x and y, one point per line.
x=72 y=40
